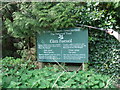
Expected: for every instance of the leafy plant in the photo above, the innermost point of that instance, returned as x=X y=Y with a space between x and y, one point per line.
x=46 y=77
x=11 y=63
x=49 y=77
x=104 y=53
x=31 y=18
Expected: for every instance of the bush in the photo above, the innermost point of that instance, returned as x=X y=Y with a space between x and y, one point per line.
x=12 y=63
x=46 y=78
x=104 y=53
x=49 y=77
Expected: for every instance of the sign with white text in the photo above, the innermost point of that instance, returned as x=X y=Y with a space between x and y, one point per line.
x=69 y=45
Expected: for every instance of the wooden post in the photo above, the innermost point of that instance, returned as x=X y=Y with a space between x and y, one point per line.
x=83 y=66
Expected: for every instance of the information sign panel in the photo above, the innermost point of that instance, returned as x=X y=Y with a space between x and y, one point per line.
x=69 y=45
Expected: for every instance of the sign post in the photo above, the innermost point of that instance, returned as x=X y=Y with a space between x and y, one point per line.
x=68 y=45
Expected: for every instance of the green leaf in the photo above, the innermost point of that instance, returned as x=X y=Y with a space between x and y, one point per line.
x=101 y=85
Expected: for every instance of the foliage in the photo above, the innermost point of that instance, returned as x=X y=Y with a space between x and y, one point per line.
x=103 y=48
x=104 y=54
x=8 y=48
x=32 y=18
x=35 y=17
x=49 y=77
x=12 y=63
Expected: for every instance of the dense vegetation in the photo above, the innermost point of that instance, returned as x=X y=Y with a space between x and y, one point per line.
x=20 y=74
x=21 y=22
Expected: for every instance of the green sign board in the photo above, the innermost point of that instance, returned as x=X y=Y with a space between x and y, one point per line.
x=69 y=45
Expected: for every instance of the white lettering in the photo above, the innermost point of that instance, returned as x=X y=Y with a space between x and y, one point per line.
x=53 y=41
x=65 y=41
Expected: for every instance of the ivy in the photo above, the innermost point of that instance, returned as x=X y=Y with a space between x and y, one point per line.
x=104 y=53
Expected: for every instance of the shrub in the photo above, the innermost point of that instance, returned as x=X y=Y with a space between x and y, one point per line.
x=49 y=77
x=104 y=53
x=12 y=63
